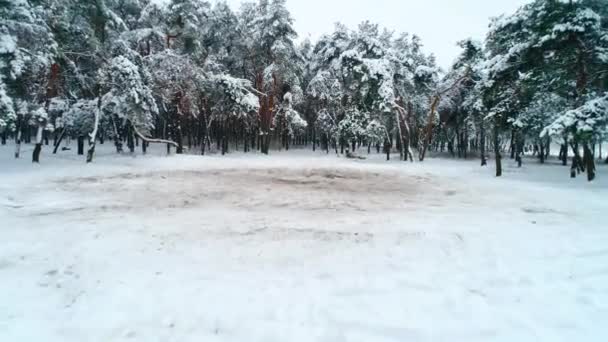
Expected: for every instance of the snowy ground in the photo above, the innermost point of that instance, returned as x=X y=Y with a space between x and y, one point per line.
x=298 y=247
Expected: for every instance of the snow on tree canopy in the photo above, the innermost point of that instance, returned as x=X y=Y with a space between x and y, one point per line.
x=80 y=117
x=581 y=122
x=127 y=96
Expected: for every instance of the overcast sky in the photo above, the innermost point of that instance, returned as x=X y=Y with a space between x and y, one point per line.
x=440 y=23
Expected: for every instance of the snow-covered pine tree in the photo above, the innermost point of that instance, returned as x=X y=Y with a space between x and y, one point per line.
x=127 y=99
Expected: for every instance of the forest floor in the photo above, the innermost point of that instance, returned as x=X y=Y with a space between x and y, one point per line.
x=298 y=247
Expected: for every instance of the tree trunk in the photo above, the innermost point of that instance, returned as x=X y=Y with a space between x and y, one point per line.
x=465 y=142
x=18 y=137
x=117 y=138
x=38 y=148
x=565 y=153
x=589 y=161
x=387 y=149
x=80 y=145
x=577 y=162
x=59 y=140
x=482 y=145
x=497 y=154
x=93 y=135
x=130 y=139
x=314 y=139
x=541 y=155
x=519 y=148
x=513 y=144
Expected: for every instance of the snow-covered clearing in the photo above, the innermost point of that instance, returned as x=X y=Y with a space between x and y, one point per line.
x=298 y=247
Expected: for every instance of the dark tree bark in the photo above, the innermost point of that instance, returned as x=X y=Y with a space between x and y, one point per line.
x=117 y=137
x=465 y=143
x=564 y=153
x=541 y=154
x=130 y=139
x=387 y=149
x=577 y=162
x=80 y=145
x=497 y=154
x=59 y=140
x=482 y=145
x=18 y=137
x=314 y=139
x=39 y=141
x=36 y=153
x=519 y=149
x=513 y=144
x=589 y=161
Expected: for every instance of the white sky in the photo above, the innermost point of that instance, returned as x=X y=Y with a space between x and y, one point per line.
x=440 y=23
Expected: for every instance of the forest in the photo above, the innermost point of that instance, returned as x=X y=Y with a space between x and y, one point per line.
x=203 y=77
x=194 y=170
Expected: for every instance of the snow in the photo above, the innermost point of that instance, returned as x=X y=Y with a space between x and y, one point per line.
x=298 y=247
x=7 y=44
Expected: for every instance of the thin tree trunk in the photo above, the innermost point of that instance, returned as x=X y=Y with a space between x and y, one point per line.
x=541 y=155
x=130 y=138
x=497 y=154
x=38 y=148
x=18 y=137
x=519 y=148
x=577 y=162
x=589 y=161
x=482 y=144
x=59 y=140
x=93 y=135
x=80 y=145
x=565 y=152
x=117 y=138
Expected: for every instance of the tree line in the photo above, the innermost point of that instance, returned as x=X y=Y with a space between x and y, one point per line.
x=196 y=76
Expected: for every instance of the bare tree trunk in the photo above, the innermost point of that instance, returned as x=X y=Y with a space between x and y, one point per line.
x=93 y=135
x=519 y=148
x=117 y=137
x=387 y=149
x=565 y=152
x=38 y=148
x=59 y=140
x=80 y=145
x=130 y=138
x=541 y=154
x=577 y=162
x=18 y=137
x=482 y=145
x=589 y=161
x=497 y=154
